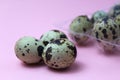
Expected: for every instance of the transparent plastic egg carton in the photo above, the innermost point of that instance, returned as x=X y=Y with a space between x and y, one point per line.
x=81 y=38
x=88 y=38
x=108 y=46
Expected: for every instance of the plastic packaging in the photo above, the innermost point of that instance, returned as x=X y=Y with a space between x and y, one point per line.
x=88 y=38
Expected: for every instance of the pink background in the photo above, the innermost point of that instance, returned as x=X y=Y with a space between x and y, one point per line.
x=34 y=17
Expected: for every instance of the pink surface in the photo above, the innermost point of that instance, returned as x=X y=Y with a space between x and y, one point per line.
x=33 y=17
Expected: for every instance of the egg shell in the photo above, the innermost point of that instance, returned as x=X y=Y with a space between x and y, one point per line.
x=51 y=36
x=80 y=29
x=98 y=15
x=114 y=11
x=106 y=31
x=29 y=50
x=117 y=20
x=60 y=54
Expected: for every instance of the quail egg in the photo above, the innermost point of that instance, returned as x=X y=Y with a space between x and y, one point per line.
x=115 y=10
x=107 y=32
x=98 y=15
x=80 y=28
x=59 y=54
x=29 y=50
x=51 y=36
x=117 y=20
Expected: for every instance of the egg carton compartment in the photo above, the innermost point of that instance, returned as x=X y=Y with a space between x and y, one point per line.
x=88 y=37
x=78 y=38
x=108 y=46
x=81 y=38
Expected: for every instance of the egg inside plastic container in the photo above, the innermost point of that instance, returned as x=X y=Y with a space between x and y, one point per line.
x=80 y=29
x=114 y=10
x=107 y=33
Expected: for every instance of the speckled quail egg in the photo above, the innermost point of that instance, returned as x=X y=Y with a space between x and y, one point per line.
x=107 y=32
x=80 y=28
x=59 y=54
x=115 y=10
x=51 y=36
x=117 y=20
x=98 y=15
x=29 y=50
